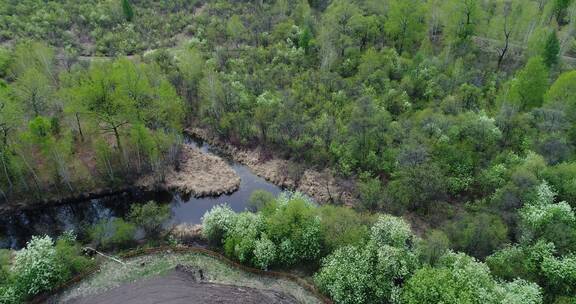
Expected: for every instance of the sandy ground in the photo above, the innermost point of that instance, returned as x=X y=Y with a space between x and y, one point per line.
x=199 y=174
x=323 y=186
x=180 y=287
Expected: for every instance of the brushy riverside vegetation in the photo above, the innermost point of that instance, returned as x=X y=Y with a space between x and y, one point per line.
x=457 y=115
x=41 y=266
x=377 y=259
x=46 y=263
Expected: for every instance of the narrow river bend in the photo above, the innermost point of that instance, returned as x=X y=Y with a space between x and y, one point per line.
x=17 y=228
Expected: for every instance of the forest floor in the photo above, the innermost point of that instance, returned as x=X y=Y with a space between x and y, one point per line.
x=323 y=186
x=154 y=276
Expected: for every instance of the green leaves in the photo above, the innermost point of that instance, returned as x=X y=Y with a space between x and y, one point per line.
x=461 y=279
x=149 y=217
x=370 y=273
x=127 y=10
x=531 y=84
x=405 y=23
x=391 y=231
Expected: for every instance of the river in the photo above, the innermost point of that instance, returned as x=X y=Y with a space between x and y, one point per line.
x=17 y=228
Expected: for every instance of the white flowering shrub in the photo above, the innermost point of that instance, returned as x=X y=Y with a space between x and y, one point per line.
x=287 y=254
x=286 y=197
x=369 y=274
x=520 y=292
x=561 y=272
x=8 y=295
x=37 y=267
x=346 y=276
x=356 y=275
x=310 y=239
x=392 y=231
x=539 y=217
x=396 y=263
x=241 y=238
x=217 y=222
x=264 y=252
x=545 y=195
x=536 y=216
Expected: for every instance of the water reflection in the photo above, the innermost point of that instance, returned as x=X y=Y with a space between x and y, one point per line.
x=17 y=228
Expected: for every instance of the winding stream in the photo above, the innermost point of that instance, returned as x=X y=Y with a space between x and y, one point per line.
x=16 y=229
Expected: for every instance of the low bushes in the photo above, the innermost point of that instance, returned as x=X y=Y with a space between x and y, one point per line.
x=285 y=232
x=360 y=258
x=372 y=273
x=41 y=266
x=117 y=233
x=113 y=233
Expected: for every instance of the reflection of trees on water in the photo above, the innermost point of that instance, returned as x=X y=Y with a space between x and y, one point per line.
x=17 y=228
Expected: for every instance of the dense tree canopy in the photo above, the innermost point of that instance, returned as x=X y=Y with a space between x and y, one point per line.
x=458 y=115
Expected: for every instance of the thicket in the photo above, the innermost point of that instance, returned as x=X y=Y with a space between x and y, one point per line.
x=378 y=259
x=455 y=114
x=41 y=266
x=66 y=131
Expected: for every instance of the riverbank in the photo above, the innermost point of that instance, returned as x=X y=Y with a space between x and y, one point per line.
x=67 y=199
x=198 y=174
x=322 y=186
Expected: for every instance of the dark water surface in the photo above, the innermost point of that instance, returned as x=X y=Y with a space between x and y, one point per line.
x=16 y=229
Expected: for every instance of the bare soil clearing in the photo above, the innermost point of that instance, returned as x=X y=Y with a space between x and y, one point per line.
x=179 y=287
x=152 y=277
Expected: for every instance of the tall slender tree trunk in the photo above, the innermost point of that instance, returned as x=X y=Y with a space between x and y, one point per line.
x=117 y=137
x=6 y=170
x=504 y=50
x=35 y=177
x=79 y=127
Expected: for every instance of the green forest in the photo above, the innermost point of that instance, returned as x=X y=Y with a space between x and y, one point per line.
x=455 y=121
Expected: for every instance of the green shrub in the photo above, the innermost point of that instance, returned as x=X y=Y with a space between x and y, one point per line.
x=4 y=266
x=370 y=189
x=259 y=199
x=69 y=254
x=217 y=222
x=461 y=279
x=241 y=240
x=341 y=226
x=37 y=268
x=5 y=60
x=113 y=233
x=293 y=225
x=477 y=234
x=264 y=252
x=435 y=245
x=149 y=217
